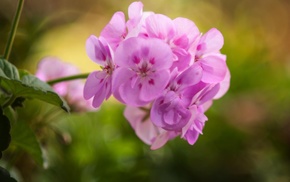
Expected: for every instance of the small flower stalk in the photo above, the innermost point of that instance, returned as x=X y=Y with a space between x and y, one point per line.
x=165 y=71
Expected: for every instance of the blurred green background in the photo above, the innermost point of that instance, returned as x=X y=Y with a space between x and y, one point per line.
x=247 y=137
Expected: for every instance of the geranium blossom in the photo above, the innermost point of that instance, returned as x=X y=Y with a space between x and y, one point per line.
x=201 y=96
x=149 y=133
x=143 y=70
x=98 y=84
x=208 y=55
x=117 y=29
x=51 y=68
x=170 y=111
x=164 y=70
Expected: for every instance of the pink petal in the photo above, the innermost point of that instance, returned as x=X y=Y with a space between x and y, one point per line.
x=213 y=40
x=169 y=113
x=115 y=31
x=134 y=115
x=161 y=52
x=208 y=94
x=122 y=87
x=132 y=48
x=159 y=107
x=137 y=30
x=130 y=95
x=144 y=129
x=120 y=76
x=224 y=85
x=207 y=105
x=160 y=26
x=191 y=136
x=194 y=113
x=199 y=122
x=124 y=55
x=185 y=30
x=160 y=140
x=50 y=68
x=214 y=69
x=98 y=99
x=135 y=11
x=96 y=50
x=190 y=76
x=181 y=58
x=94 y=83
x=154 y=85
x=176 y=119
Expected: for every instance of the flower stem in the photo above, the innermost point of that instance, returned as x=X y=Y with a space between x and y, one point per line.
x=74 y=77
x=13 y=30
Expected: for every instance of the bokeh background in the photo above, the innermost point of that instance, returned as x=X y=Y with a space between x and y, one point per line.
x=247 y=137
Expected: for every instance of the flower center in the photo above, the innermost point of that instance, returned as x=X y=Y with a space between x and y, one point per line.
x=108 y=69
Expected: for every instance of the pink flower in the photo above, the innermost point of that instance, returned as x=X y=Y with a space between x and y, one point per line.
x=208 y=55
x=186 y=38
x=180 y=34
x=142 y=72
x=145 y=129
x=201 y=96
x=99 y=83
x=170 y=111
x=51 y=68
x=117 y=29
x=165 y=71
x=195 y=126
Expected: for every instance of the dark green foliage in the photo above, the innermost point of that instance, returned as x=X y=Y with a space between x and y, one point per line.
x=13 y=87
x=5 y=176
x=5 y=137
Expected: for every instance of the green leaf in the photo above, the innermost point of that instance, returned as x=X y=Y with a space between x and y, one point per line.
x=13 y=86
x=8 y=70
x=24 y=138
x=42 y=91
x=5 y=176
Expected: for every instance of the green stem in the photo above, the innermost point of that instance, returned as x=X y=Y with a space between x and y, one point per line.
x=13 y=30
x=74 y=77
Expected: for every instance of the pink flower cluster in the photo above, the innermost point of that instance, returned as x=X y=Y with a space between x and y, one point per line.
x=165 y=71
x=51 y=68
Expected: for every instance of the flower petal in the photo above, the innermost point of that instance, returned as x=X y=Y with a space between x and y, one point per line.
x=154 y=85
x=213 y=40
x=96 y=50
x=99 y=98
x=191 y=136
x=208 y=94
x=130 y=95
x=115 y=31
x=224 y=85
x=94 y=83
x=185 y=29
x=190 y=76
x=214 y=69
x=135 y=11
x=160 y=140
x=169 y=113
x=131 y=52
x=160 y=26
x=146 y=131
x=122 y=87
